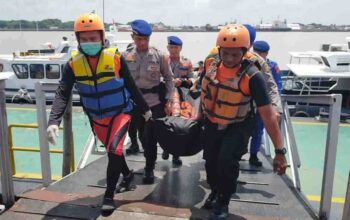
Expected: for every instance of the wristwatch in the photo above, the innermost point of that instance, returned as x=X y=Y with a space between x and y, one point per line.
x=282 y=151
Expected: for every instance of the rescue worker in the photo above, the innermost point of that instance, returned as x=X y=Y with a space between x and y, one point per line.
x=147 y=66
x=183 y=75
x=107 y=93
x=230 y=85
x=262 y=48
x=262 y=65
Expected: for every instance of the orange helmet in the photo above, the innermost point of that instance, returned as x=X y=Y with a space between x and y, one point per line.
x=235 y=36
x=88 y=22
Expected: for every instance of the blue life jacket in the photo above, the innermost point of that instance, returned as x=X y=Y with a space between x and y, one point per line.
x=103 y=93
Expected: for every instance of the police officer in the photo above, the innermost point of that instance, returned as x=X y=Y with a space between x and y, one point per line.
x=107 y=93
x=264 y=67
x=229 y=86
x=262 y=48
x=181 y=66
x=149 y=67
x=183 y=75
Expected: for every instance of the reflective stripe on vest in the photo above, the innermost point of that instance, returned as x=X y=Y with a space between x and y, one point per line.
x=102 y=93
x=225 y=102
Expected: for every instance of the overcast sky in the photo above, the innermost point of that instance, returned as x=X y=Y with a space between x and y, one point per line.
x=183 y=12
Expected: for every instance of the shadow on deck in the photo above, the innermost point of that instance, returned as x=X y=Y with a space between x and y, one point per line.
x=178 y=193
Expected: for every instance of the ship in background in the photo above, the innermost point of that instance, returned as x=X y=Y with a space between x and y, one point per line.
x=278 y=25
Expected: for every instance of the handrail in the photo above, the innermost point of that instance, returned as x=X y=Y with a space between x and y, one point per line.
x=88 y=148
x=44 y=144
x=291 y=145
x=27 y=149
x=7 y=189
x=334 y=101
x=40 y=87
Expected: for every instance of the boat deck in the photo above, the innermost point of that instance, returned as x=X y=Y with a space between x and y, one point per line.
x=178 y=193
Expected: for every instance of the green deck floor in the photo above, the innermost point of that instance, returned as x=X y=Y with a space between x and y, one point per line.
x=28 y=162
x=311 y=141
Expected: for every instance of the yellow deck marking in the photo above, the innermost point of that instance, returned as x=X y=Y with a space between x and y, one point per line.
x=30 y=109
x=318 y=198
x=317 y=123
x=34 y=176
x=21 y=109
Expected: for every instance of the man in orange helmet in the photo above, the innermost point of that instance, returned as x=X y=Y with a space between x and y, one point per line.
x=107 y=93
x=229 y=87
x=262 y=65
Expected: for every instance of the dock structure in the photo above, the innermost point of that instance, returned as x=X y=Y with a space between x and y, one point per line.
x=178 y=193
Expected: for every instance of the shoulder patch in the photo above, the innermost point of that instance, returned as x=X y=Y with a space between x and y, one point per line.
x=153 y=48
x=130 y=57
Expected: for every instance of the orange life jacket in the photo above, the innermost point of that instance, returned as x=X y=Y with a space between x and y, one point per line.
x=176 y=107
x=228 y=101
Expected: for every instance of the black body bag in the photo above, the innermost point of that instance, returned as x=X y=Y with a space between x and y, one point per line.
x=178 y=136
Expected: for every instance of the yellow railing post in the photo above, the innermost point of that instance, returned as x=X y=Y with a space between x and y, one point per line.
x=29 y=149
x=12 y=156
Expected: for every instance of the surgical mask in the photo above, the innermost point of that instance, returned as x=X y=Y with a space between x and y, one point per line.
x=91 y=48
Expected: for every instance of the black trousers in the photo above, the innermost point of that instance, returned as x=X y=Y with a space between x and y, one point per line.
x=223 y=150
x=150 y=142
x=145 y=133
x=116 y=165
x=137 y=125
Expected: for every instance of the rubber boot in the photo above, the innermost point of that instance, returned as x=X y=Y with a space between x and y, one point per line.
x=220 y=208
x=254 y=160
x=125 y=184
x=148 y=177
x=209 y=202
x=165 y=155
x=108 y=206
x=177 y=161
x=134 y=147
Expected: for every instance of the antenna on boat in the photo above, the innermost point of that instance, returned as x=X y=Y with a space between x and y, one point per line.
x=103 y=11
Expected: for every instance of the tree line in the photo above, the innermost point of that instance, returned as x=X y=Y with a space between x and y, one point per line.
x=46 y=24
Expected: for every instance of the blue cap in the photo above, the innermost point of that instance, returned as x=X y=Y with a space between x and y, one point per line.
x=141 y=28
x=173 y=40
x=261 y=46
x=252 y=33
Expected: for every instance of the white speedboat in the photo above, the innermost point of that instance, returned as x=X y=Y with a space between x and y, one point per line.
x=318 y=72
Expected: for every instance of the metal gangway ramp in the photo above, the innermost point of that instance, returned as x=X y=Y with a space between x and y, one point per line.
x=179 y=192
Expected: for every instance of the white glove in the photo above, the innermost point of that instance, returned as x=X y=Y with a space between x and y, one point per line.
x=147 y=115
x=52 y=133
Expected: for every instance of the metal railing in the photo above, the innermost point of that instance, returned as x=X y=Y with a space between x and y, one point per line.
x=7 y=189
x=28 y=149
x=88 y=149
x=334 y=102
x=40 y=87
